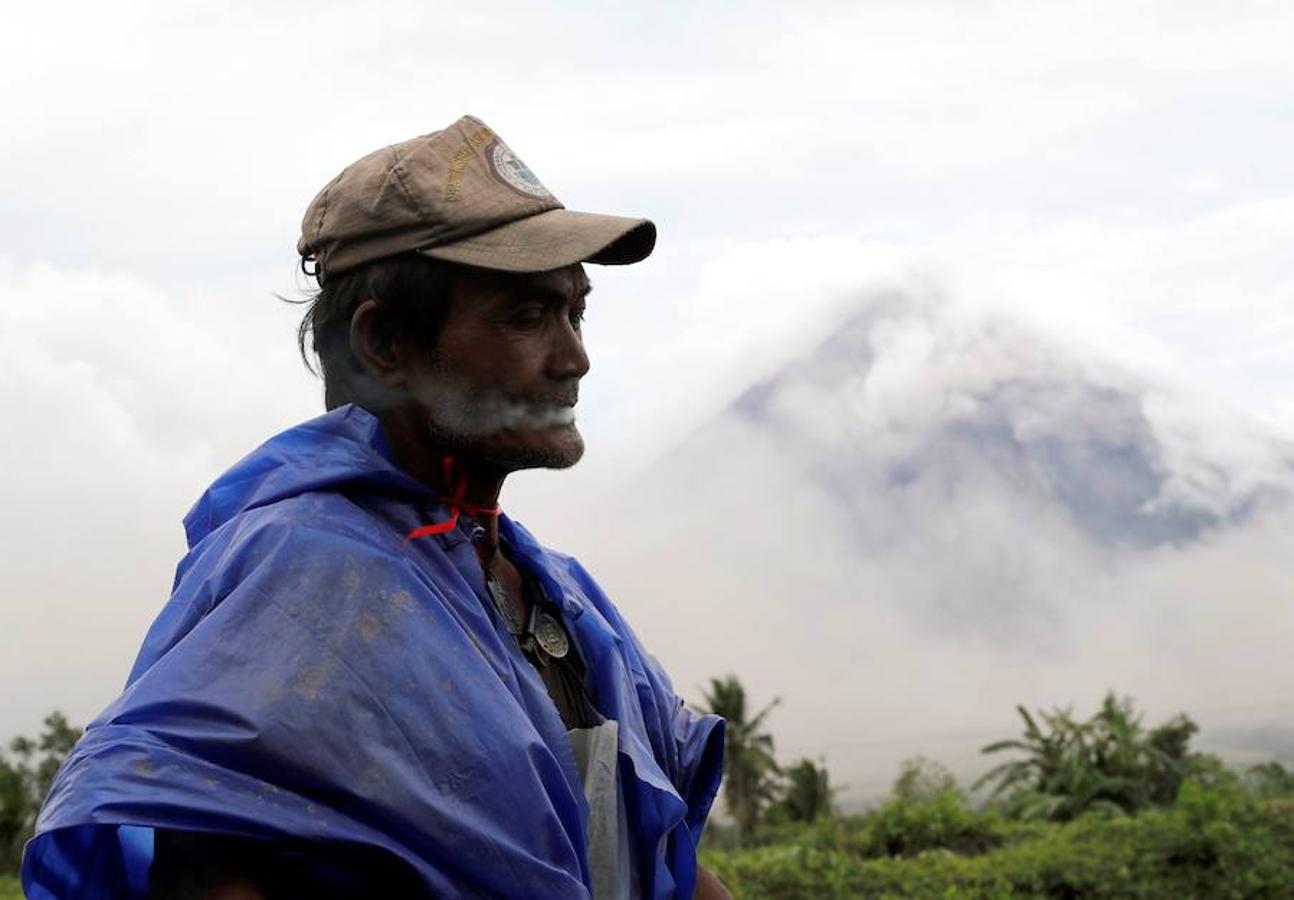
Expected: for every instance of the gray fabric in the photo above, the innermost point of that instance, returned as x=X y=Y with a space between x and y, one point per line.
x=611 y=864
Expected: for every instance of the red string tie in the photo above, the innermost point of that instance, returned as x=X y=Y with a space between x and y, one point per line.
x=457 y=479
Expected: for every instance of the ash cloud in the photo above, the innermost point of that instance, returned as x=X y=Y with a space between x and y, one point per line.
x=939 y=512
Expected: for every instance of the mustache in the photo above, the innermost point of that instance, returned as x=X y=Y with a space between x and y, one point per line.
x=564 y=394
x=565 y=400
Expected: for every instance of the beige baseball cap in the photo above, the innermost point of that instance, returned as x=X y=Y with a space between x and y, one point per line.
x=461 y=195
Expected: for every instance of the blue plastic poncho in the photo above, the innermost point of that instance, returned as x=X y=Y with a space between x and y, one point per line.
x=316 y=676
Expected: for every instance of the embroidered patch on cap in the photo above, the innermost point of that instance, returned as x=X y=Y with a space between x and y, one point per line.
x=458 y=163
x=516 y=174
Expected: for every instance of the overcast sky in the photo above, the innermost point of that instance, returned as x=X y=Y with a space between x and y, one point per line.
x=1116 y=174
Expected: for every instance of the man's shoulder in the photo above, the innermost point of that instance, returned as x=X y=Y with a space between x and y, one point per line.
x=325 y=529
x=306 y=517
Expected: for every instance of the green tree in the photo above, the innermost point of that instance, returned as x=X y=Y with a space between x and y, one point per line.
x=1108 y=763
x=1270 y=780
x=922 y=779
x=25 y=780
x=806 y=793
x=750 y=769
x=15 y=813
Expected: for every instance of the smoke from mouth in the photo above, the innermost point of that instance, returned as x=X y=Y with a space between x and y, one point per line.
x=476 y=413
x=514 y=415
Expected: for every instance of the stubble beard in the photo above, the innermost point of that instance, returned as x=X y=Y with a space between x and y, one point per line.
x=478 y=423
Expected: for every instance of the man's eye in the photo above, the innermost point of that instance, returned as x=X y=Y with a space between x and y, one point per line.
x=577 y=318
x=530 y=317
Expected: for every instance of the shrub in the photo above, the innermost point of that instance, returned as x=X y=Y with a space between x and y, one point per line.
x=907 y=827
x=1217 y=842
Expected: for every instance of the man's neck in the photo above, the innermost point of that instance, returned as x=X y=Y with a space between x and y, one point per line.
x=419 y=457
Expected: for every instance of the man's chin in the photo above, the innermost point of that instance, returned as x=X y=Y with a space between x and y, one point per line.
x=559 y=447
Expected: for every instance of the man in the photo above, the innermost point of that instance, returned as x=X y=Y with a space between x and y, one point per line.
x=369 y=682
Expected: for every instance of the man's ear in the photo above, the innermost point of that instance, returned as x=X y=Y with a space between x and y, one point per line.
x=374 y=345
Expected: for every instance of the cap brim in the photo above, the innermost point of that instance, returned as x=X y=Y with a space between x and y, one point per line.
x=551 y=240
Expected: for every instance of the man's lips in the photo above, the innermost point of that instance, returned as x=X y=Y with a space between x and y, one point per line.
x=565 y=393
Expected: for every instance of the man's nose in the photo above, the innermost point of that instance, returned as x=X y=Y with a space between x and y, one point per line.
x=569 y=358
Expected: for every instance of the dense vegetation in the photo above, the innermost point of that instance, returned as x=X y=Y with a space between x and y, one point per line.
x=1215 y=841
x=1100 y=808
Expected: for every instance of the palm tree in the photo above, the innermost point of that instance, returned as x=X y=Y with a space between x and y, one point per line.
x=750 y=771
x=1044 y=752
x=807 y=793
x=1107 y=764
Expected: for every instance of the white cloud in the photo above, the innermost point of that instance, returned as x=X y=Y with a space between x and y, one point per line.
x=120 y=403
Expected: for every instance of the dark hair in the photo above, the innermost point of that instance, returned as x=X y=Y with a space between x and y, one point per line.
x=412 y=291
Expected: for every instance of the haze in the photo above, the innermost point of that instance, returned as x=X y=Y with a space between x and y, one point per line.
x=985 y=197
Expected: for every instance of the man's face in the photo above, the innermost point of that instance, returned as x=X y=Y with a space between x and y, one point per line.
x=501 y=382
